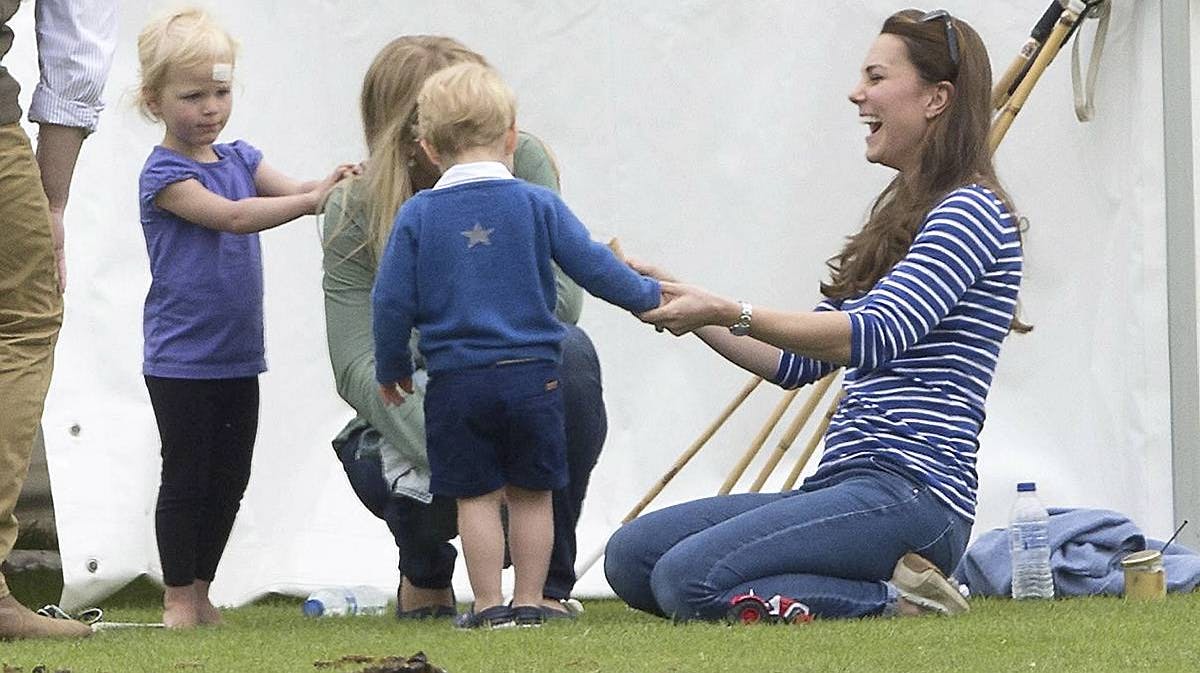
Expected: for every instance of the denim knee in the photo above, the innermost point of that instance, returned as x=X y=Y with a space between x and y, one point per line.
x=678 y=583
x=619 y=554
x=628 y=570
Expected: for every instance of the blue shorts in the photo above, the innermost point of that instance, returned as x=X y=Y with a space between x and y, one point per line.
x=487 y=427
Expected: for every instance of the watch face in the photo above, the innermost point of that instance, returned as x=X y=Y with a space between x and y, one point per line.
x=742 y=326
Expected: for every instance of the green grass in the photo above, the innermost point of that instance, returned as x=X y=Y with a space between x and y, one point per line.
x=1087 y=635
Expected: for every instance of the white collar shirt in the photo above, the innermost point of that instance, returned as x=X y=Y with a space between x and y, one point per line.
x=474 y=171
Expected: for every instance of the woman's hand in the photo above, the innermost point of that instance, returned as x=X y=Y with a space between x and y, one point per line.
x=687 y=307
x=646 y=270
x=650 y=270
x=391 y=392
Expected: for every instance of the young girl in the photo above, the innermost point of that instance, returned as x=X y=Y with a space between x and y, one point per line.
x=202 y=205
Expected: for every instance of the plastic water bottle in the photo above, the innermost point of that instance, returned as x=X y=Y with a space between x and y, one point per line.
x=346 y=601
x=1030 y=545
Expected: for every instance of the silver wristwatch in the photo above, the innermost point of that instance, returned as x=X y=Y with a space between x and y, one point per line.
x=742 y=326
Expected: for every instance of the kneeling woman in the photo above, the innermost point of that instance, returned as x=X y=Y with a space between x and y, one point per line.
x=917 y=306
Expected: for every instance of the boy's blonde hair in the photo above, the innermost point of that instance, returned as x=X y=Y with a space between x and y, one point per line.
x=464 y=106
x=182 y=38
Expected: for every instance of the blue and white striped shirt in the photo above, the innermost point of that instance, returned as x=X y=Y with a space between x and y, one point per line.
x=924 y=344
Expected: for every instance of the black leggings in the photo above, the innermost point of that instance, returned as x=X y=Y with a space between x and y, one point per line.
x=207 y=427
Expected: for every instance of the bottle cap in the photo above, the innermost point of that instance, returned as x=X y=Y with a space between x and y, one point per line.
x=313 y=608
x=1026 y=487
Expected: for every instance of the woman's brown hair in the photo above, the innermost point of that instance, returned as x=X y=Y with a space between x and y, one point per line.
x=955 y=153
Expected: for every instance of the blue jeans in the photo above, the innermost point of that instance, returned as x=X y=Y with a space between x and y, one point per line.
x=831 y=545
x=422 y=531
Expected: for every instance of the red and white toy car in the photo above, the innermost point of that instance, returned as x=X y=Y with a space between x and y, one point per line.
x=753 y=609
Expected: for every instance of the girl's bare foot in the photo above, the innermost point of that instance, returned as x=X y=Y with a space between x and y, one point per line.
x=179 y=608
x=206 y=612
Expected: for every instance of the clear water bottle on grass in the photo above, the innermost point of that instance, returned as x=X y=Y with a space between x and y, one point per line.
x=1029 y=542
x=345 y=602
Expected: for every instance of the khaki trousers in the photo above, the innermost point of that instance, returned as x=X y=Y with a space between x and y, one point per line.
x=30 y=315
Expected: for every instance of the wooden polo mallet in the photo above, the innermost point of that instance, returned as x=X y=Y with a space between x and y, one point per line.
x=789 y=437
x=759 y=440
x=813 y=441
x=1068 y=21
x=755 y=446
x=793 y=431
x=683 y=459
x=1016 y=70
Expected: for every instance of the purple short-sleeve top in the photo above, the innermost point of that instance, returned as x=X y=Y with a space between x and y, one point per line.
x=203 y=316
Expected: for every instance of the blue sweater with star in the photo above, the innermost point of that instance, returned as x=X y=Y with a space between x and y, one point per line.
x=470 y=267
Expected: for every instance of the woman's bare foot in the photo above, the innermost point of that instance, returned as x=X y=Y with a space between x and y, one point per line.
x=179 y=608
x=206 y=612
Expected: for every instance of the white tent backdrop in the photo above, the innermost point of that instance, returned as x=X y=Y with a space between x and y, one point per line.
x=712 y=137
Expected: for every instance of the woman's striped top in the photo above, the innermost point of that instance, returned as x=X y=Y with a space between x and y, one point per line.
x=924 y=343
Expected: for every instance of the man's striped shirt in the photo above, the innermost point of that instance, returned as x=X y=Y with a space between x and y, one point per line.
x=924 y=343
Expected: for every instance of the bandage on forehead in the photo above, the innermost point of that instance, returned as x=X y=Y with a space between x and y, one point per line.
x=222 y=72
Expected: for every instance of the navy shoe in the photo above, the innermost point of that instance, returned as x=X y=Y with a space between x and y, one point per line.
x=529 y=615
x=550 y=614
x=427 y=612
x=495 y=617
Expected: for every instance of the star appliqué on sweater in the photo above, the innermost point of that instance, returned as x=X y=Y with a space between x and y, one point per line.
x=477 y=235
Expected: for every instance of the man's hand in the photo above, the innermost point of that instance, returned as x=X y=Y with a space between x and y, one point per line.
x=57 y=151
x=59 y=234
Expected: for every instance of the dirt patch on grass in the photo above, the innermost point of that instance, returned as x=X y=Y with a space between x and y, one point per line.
x=417 y=663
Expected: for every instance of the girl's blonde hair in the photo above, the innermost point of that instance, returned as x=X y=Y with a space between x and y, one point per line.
x=389 y=114
x=182 y=38
x=464 y=106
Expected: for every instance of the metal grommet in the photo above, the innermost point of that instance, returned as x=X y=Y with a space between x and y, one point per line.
x=92 y=565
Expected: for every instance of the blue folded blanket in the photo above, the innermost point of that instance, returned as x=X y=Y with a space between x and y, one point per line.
x=1087 y=546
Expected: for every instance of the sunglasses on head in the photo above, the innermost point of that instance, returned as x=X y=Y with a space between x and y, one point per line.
x=951 y=36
